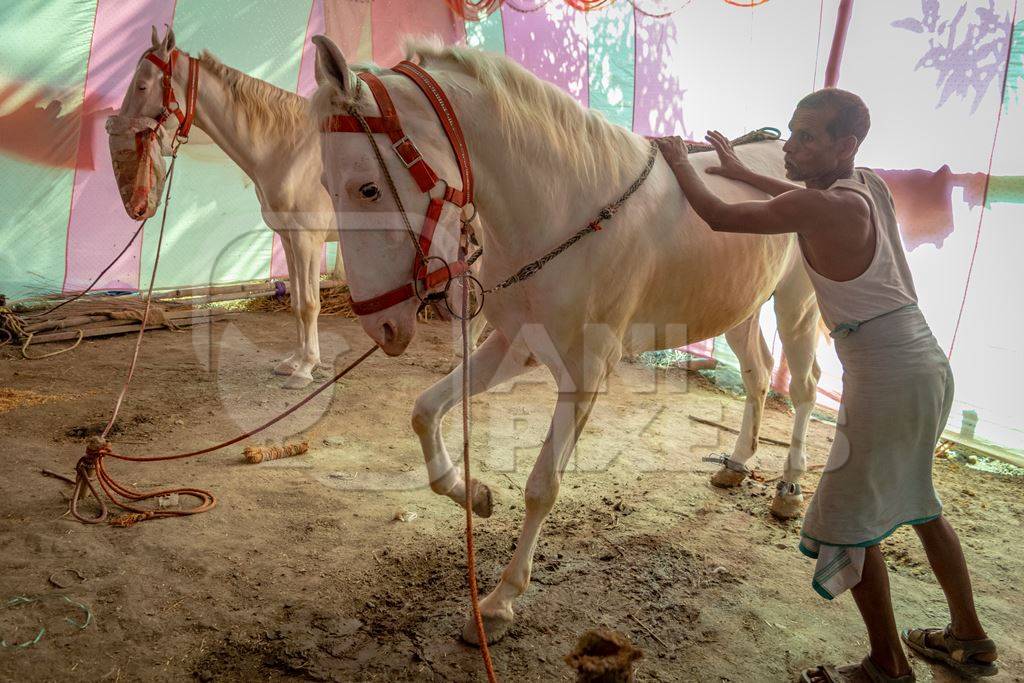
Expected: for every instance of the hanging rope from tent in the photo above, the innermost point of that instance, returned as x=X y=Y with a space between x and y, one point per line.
x=477 y=10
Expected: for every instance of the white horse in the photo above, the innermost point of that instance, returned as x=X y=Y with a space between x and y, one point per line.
x=264 y=130
x=655 y=277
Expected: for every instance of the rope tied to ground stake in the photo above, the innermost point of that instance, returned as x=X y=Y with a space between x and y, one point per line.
x=124 y=497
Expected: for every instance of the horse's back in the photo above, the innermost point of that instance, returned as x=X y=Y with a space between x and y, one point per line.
x=704 y=282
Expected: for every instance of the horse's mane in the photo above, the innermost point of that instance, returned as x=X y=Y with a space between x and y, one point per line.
x=529 y=107
x=270 y=111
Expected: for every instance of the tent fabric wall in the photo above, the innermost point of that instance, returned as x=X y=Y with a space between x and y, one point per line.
x=947 y=134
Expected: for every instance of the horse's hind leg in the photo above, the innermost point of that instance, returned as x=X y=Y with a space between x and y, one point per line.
x=796 y=310
x=755 y=360
x=495 y=361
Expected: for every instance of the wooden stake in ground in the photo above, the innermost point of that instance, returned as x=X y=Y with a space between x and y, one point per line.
x=255 y=454
x=603 y=656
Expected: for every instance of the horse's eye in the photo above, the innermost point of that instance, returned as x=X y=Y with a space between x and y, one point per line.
x=370 y=191
x=142 y=87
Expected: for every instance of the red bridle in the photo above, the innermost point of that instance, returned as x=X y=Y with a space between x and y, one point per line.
x=389 y=124
x=171 y=105
x=145 y=175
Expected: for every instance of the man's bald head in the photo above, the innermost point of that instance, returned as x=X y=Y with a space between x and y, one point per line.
x=850 y=114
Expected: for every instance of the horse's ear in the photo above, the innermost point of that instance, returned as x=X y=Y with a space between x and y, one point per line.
x=169 y=43
x=155 y=38
x=331 y=67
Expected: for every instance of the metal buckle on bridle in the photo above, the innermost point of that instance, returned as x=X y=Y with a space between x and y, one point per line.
x=405 y=140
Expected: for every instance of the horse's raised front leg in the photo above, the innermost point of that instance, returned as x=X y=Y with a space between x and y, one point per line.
x=755 y=360
x=575 y=401
x=287 y=366
x=307 y=246
x=797 y=313
x=496 y=361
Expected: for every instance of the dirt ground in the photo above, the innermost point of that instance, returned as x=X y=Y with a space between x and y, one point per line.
x=302 y=571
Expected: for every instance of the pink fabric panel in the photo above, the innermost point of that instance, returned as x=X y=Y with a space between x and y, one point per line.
x=306 y=86
x=99 y=227
x=278 y=261
x=551 y=43
x=317 y=25
x=704 y=349
x=394 y=20
x=658 y=96
x=344 y=20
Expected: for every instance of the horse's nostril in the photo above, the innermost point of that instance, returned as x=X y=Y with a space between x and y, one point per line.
x=389 y=332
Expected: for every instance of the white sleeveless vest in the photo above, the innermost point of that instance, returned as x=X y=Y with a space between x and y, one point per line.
x=886 y=285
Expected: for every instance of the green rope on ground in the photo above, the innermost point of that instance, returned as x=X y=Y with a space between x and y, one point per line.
x=21 y=600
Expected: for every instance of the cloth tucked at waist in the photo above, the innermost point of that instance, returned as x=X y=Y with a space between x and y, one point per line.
x=838 y=568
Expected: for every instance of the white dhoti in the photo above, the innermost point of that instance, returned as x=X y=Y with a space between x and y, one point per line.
x=897 y=393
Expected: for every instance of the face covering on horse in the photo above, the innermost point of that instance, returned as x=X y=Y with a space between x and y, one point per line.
x=136 y=146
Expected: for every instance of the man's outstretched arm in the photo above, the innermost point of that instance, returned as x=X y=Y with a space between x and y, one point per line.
x=798 y=211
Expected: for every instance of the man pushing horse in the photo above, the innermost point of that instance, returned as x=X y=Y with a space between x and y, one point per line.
x=897 y=383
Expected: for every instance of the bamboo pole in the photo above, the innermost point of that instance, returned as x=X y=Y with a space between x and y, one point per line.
x=113 y=330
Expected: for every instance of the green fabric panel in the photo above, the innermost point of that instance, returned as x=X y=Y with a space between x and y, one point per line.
x=43 y=58
x=487 y=34
x=1008 y=189
x=45 y=45
x=1015 y=69
x=215 y=232
x=610 y=61
x=332 y=256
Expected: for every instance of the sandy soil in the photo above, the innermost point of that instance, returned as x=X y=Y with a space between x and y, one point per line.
x=302 y=571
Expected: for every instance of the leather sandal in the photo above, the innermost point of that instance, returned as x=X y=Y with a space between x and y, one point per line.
x=865 y=671
x=960 y=655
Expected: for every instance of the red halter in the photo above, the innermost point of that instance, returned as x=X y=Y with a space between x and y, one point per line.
x=145 y=176
x=388 y=123
x=171 y=105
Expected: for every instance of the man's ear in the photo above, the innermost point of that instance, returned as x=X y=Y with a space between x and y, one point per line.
x=848 y=147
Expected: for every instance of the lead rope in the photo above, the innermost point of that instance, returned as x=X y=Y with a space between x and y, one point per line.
x=470 y=550
x=485 y=652
x=149 y=294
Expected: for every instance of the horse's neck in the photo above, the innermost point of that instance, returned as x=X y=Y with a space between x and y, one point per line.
x=528 y=200
x=220 y=116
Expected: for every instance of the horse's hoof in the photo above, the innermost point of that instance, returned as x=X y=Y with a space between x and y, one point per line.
x=285 y=367
x=788 y=506
x=297 y=382
x=726 y=478
x=496 y=626
x=483 y=500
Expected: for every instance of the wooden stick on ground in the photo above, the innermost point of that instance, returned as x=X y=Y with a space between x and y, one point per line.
x=649 y=631
x=762 y=439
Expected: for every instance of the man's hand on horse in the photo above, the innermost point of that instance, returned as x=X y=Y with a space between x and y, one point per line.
x=673 y=148
x=730 y=165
